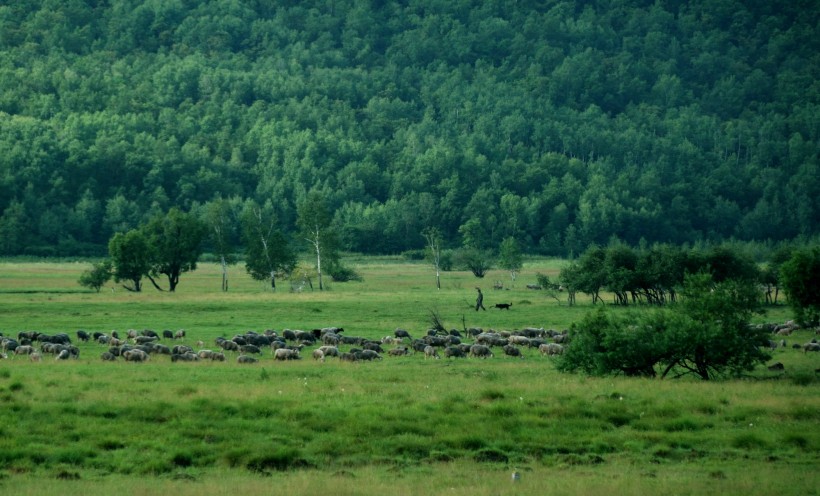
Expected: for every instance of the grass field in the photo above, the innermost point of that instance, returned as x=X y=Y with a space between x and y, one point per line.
x=400 y=426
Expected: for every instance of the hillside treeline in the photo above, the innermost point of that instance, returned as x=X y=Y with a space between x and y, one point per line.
x=559 y=123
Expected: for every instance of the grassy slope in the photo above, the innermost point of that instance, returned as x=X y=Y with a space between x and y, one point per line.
x=393 y=426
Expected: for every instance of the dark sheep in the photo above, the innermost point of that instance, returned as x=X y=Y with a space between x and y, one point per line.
x=289 y=335
x=249 y=348
x=149 y=333
x=246 y=359
x=480 y=351
x=83 y=336
x=401 y=333
x=108 y=357
x=511 y=350
x=368 y=355
x=454 y=352
x=348 y=357
x=187 y=356
x=180 y=349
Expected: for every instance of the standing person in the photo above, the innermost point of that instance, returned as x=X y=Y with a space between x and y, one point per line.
x=479 y=301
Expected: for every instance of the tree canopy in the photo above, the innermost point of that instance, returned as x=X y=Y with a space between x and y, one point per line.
x=559 y=124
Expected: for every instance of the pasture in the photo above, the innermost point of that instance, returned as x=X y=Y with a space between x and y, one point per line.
x=402 y=425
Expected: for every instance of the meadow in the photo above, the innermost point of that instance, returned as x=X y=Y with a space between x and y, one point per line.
x=403 y=425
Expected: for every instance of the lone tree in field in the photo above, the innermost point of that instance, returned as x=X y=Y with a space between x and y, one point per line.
x=707 y=334
x=175 y=241
x=432 y=237
x=266 y=249
x=314 y=222
x=96 y=277
x=801 y=282
x=509 y=257
x=130 y=258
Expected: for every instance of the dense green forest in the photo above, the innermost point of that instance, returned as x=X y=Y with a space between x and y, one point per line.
x=559 y=123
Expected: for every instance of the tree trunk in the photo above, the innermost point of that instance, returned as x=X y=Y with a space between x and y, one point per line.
x=224 y=274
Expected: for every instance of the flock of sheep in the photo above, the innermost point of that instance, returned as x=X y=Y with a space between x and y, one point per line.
x=321 y=344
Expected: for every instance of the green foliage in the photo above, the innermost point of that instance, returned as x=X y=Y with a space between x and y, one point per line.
x=509 y=257
x=707 y=335
x=96 y=277
x=801 y=281
x=699 y=127
x=476 y=261
x=175 y=243
x=314 y=220
x=131 y=258
x=267 y=250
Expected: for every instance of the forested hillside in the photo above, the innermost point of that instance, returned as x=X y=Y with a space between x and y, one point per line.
x=559 y=123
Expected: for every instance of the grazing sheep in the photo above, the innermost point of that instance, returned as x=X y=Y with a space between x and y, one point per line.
x=35 y=357
x=135 y=355
x=180 y=349
x=331 y=339
x=480 y=351
x=399 y=351
x=24 y=350
x=511 y=350
x=180 y=334
x=430 y=352
x=371 y=345
x=551 y=349
x=63 y=355
x=348 y=357
x=329 y=351
x=811 y=347
x=286 y=354
x=83 y=336
x=167 y=334
x=454 y=352
x=249 y=348
x=318 y=355
x=401 y=333
x=145 y=339
x=217 y=357
x=368 y=355
x=519 y=340
x=227 y=345
x=107 y=356
x=187 y=356
x=246 y=359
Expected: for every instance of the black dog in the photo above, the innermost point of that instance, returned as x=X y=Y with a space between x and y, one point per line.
x=503 y=306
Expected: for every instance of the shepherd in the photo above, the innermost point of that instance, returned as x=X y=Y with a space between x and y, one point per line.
x=479 y=301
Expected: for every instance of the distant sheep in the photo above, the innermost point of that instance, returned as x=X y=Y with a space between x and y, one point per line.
x=811 y=347
x=246 y=359
x=551 y=349
x=135 y=355
x=454 y=352
x=318 y=355
x=511 y=350
x=286 y=354
x=430 y=352
x=480 y=351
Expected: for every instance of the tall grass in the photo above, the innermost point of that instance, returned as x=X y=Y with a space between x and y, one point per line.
x=402 y=426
